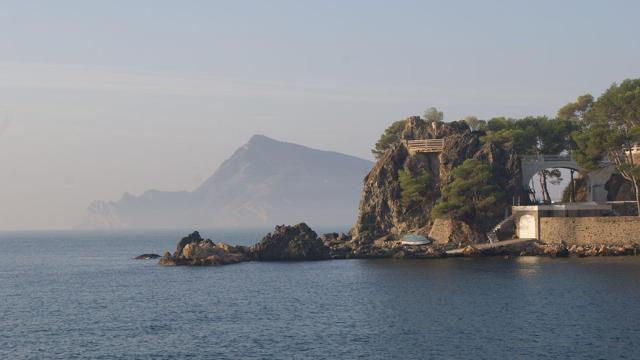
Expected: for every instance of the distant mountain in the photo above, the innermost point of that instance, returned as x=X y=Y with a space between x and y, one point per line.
x=265 y=182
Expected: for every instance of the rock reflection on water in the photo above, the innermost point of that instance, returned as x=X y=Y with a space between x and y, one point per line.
x=83 y=296
x=529 y=265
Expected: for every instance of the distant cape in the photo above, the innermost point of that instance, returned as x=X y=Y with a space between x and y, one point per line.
x=265 y=182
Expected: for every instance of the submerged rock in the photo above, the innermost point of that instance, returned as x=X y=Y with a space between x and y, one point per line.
x=296 y=242
x=147 y=257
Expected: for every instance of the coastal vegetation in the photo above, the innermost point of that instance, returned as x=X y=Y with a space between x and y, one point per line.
x=390 y=136
x=414 y=187
x=463 y=186
x=480 y=163
x=472 y=196
x=610 y=130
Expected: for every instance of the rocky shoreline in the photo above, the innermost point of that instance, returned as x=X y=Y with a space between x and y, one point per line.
x=301 y=243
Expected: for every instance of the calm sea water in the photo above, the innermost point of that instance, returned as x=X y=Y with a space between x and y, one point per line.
x=73 y=295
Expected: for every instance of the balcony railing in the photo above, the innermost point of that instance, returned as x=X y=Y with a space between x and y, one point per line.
x=425 y=146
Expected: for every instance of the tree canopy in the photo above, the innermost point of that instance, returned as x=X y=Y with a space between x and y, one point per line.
x=531 y=135
x=611 y=131
x=390 y=136
x=472 y=196
x=433 y=115
x=413 y=188
x=475 y=123
x=578 y=110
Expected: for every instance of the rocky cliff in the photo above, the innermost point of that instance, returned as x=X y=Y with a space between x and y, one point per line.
x=382 y=212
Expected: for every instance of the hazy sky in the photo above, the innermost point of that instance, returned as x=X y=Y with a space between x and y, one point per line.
x=102 y=97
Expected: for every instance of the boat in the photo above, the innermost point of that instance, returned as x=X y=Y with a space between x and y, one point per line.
x=415 y=240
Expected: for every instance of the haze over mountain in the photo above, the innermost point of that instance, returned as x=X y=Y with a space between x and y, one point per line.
x=265 y=182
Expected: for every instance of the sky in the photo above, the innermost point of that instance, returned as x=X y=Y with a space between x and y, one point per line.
x=98 y=98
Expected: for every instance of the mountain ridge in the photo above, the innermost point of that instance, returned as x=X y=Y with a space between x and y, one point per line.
x=264 y=182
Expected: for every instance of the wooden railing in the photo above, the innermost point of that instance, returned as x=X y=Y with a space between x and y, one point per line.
x=425 y=146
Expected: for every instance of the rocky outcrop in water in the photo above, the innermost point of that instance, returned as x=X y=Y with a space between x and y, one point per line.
x=382 y=212
x=299 y=243
x=194 y=250
x=296 y=242
x=147 y=257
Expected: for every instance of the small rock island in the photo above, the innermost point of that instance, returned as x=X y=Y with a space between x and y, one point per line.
x=286 y=243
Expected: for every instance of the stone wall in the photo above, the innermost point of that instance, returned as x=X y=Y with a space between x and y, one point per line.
x=441 y=231
x=610 y=230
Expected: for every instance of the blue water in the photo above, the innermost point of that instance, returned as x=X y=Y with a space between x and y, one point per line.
x=67 y=295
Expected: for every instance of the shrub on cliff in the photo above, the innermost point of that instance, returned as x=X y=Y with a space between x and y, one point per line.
x=393 y=133
x=413 y=188
x=390 y=136
x=472 y=196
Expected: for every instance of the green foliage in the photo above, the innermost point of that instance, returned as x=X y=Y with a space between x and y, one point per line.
x=500 y=123
x=612 y=130
x=433 y=115
x=413 y=188
x=472 y=196
x=390 y=136
x=619 y=105
x=594 y=143
x=577 y=111
x=531 y=135
x=474 y=123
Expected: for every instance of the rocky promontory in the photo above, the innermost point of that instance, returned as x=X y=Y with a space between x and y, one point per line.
x=289 y=243
x=382 y=212
x=301 y=243
x=393 y=209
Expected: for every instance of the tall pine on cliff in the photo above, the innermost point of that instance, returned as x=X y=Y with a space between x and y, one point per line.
x=390 y=136
x=610 y=130
x=471 y=197
x=413 y=188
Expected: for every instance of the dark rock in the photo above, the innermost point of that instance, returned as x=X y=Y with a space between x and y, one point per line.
x=194 y=237
x=339 y=245
x=296 y=242
x=381 y=211
x=194 y=250
x=147 y=257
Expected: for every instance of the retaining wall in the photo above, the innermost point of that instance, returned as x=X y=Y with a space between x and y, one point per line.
x=610 y=230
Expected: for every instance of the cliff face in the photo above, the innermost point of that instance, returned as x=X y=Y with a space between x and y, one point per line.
x=382 y=212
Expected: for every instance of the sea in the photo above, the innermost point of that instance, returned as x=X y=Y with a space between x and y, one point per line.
x=81 y=295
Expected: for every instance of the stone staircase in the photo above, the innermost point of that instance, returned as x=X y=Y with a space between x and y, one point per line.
x=492 y=235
